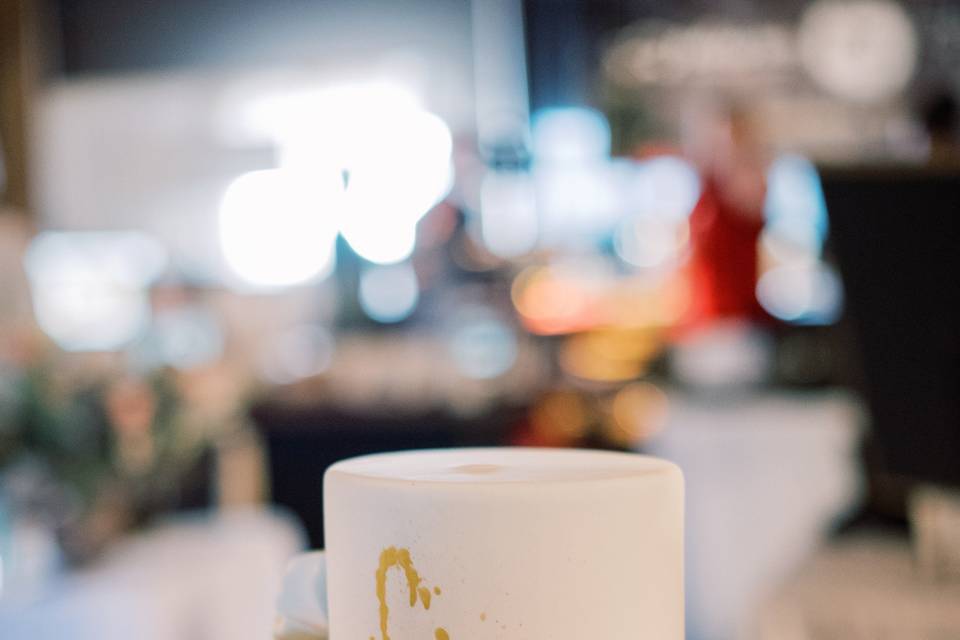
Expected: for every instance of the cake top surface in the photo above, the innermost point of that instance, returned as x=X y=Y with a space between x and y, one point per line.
x=502 y=465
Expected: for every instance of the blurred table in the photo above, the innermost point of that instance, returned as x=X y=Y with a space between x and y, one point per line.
x=767 y=473
x=206 y=578
x=861 y=588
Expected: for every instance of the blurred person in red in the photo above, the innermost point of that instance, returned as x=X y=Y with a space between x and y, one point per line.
x=726 y=223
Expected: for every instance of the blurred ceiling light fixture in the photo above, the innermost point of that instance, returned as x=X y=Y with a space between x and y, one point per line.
x=391 y=158
x=89 y=288
x=389 y=293
x=861 y=50
x=278 y=227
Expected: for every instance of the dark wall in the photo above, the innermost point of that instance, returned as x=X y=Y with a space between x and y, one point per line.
x=101 y=36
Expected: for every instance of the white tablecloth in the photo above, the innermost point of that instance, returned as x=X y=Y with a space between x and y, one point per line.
x=766 y=474
x=211 y=578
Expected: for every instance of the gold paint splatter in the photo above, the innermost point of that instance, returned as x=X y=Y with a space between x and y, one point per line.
x=425 y=597
x=394 y=557
x=483 y=617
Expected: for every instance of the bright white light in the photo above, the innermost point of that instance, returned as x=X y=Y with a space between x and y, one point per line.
x=89 y=289
x=389 y=293
x=299 y=352
x=508 y=213
x=384 y=242
x=329 y=113
x=278 y=227
x=570 y=134
x=484 y=347
x=408 y=159
x=666 y=187
x=392 y=157
x=807 y=294
x=391 y=188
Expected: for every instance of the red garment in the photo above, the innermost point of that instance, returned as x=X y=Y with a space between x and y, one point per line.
x=724 y=259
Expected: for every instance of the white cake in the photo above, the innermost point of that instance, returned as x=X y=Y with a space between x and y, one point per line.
x=504 y=543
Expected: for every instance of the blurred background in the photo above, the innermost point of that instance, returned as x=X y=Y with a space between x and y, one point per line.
x=240 y=240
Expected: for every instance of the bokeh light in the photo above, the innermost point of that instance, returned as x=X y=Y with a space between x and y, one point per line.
x=89 y=289
x=861 y=50
x=578 y=204
x=795 y=211
x=184 y=338
x=298 y=352
x=389 y=293
x=570 y=135
x=727 y=354
x=278 y=227
x=805 y=293
x=508 y=213
x=647 y=242
x=386 y=241
x=389 y=190
x=609 y=355
x=483 y=346
x=381 y=159
x=638 y=413
x=665 y=187
x=549 y=300
x=390 y=157
x=560 y=418
x=299 y=119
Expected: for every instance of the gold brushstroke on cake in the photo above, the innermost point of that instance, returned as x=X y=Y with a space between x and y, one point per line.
x=400 y=557
x=425 y=596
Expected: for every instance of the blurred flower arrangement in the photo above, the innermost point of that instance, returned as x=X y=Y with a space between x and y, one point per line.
x=95 y=444
x=92 y=457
